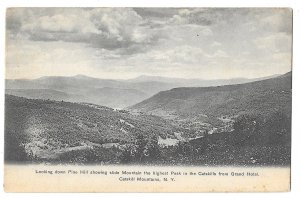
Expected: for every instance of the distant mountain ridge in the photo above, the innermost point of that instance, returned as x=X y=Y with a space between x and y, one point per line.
x=197 y=81
x=107 y=92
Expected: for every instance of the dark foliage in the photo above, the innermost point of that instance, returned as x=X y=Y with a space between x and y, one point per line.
x=245 y=125
x=144 y=150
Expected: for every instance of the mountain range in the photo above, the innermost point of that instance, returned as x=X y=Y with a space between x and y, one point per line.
x=241 y=124
x=107 y=92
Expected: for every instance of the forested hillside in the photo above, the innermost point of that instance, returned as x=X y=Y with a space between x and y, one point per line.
x=261 y=97
x=45 y=128
x=244 y=125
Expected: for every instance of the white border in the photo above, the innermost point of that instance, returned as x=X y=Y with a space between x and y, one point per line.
x=167 y=3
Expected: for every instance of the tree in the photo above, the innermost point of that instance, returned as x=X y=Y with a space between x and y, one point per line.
x=184 y=149
x=246 y=128
x=152 y=148
x=140 y=143
x=15 y=151
x=143 y=149
x=126 y=155
x=278 y=128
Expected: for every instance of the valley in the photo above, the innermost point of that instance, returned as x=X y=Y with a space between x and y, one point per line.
x=112 y=93
x=242 y=124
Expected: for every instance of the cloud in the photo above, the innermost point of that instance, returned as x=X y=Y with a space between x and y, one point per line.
x=116 y=42
x=195 y=16
x=180 y=56
x=184 y=54
x=216 y=44
x=161 y=13
x=280 y=20
x=209 y=16
x=219 y=54
x=107 y=28
x=61 y=24
x=33 y=60
x=274 y=43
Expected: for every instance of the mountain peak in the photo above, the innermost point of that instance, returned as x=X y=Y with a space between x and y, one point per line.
x=143 y=78
x=81 y=76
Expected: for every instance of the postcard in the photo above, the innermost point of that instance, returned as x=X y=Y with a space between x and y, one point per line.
x=148 y=99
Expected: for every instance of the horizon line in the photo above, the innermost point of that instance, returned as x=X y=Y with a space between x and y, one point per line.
x=146 y=75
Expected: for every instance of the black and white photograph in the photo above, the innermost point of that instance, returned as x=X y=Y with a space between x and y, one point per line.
x=158 y=86
x=142 y=86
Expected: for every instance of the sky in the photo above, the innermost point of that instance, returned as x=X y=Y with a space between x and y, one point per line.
x=122 y=43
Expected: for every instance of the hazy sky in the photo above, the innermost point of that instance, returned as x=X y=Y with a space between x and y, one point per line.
x=124 y=42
